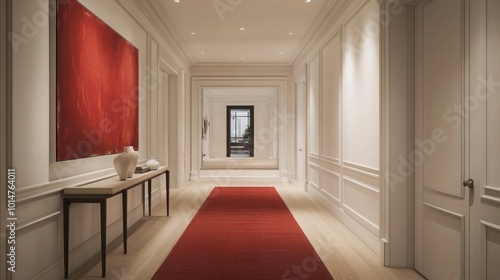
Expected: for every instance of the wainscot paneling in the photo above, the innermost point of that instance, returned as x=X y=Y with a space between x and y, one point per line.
x=330 y=185
x=31 y=210
x=362 y=203
x=360 y=175
x=46 y=237
x=344 y=120
x=314 y=177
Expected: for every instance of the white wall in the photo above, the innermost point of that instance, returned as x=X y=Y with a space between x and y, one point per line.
x=360 y=88
x=265 y=119
x=344 y=120
x=313 y=110
x=365 y=121
x=39 y=179
x=245 y=76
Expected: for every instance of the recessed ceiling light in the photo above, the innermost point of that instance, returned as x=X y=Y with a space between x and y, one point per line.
x=291 y=33
x=242 y=58
x=202 y=52
x=308 y=1
x=177 y=1
x=242 y=28
x=193 y=33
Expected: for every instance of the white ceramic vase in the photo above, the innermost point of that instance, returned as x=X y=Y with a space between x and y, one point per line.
x=133 y=163
x=122 y=164
x=153 y=164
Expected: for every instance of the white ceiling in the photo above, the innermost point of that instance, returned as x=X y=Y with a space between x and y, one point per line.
x=267 y=23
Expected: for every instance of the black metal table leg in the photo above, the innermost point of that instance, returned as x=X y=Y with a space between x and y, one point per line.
x=66 y=236
x=167 y=177
x=103 y=236
x=149 y=195
x=143 y=184
x=124 y=217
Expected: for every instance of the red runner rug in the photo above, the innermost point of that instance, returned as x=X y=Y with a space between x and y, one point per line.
x=243 y=233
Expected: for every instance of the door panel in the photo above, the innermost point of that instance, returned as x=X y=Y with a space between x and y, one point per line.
x=444 y=233
x=441 y=203
x=490 y=248
x=442 y=60
x=485 y=138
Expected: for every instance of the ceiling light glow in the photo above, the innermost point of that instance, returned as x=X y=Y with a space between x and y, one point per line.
x=242 y=28
x=177 y=1
x=308 y=1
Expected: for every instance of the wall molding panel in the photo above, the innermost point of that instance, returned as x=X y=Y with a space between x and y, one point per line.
x=41 y=180
x=371 y=240
x=362 y=202
x=314 y=175
x=331 y=182
x=344 y=120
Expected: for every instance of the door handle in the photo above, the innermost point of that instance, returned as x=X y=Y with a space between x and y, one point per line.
x=469 y=183
x=300 y=150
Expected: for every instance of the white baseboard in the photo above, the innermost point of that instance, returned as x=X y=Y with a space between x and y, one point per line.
x=300 y=183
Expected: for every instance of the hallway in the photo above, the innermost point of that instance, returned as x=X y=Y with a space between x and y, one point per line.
x=152 y=238
x=385 y=111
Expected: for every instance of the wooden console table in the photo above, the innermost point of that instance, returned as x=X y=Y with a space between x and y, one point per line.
x=99 y=192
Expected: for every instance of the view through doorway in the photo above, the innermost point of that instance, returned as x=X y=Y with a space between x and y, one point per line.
x=239 y=131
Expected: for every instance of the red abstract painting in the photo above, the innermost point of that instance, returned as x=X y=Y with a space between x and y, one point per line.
x=97 y=86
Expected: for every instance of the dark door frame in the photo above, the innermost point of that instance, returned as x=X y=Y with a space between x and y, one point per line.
x=228 y=127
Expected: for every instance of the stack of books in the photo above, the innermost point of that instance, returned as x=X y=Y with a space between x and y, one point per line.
x=142 y=169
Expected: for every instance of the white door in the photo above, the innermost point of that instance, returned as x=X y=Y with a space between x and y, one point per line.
x=300 y=89
x=484 y=108
x=457 y=111
x=441 y=145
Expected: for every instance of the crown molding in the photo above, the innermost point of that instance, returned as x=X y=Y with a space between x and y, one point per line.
x=317 y=35
x=164 y=27
x=325 y=11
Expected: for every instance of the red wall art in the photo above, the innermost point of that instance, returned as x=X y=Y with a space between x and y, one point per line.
x=97 y=86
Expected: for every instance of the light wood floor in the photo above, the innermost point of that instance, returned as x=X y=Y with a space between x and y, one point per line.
x=152 y=238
